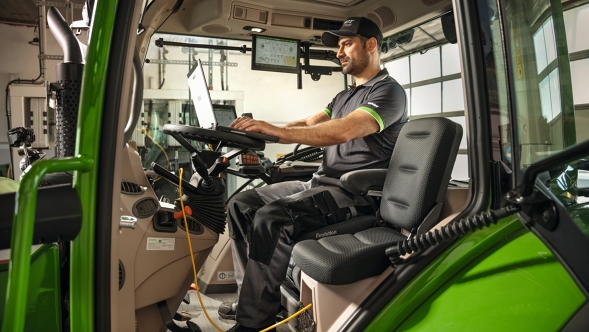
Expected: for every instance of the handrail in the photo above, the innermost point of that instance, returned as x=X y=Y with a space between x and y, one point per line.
x=22 y=236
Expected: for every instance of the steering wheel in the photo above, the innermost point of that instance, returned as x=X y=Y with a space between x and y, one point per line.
x=214 y=137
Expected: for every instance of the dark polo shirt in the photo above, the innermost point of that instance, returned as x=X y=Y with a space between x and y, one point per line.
x=384 y=99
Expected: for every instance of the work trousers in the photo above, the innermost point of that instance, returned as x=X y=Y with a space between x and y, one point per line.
x=264 y=224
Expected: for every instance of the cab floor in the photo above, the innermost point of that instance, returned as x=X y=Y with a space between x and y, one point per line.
x=211 y=303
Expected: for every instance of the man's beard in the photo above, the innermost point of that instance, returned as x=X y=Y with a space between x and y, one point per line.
x=355 y=66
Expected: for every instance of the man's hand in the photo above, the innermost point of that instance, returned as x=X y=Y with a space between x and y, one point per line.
x=249 y=124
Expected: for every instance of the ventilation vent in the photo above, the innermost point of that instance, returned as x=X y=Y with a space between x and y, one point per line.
x=250 y=14
x=145 y=208
x=131 y=188
x=121 y=274
x=387 y=16
x=321 y=24
x=215 y=29
x=239 y=12
x=431 y=3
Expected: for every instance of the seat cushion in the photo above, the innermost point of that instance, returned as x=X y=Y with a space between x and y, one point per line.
x=344 y=259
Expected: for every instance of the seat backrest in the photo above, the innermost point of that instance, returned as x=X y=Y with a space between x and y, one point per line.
x=419 y=171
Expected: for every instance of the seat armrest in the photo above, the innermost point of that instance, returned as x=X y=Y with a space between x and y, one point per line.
x=361 y=181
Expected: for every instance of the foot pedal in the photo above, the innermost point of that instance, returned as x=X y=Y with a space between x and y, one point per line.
x=304 y=321
x=182 y=316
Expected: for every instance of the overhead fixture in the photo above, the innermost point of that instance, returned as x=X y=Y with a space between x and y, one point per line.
x=254 y=29
x=34 y=42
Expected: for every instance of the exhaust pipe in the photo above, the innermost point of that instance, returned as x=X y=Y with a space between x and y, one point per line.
x=65 y=37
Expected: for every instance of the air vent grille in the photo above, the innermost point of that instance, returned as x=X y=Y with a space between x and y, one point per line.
x=250 y=14
x=322 y=24
x=239 y=12
x=387 y=16
x=121 y=274
x=131 y=188
x=145 y=208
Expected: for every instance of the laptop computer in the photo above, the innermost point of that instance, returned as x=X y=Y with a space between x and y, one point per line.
x=224 y=114
x=205 y=112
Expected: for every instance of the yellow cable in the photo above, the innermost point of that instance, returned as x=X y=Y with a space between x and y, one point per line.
x=145 y=131
x=289 y=318
x=192 y=254
x=181 y=171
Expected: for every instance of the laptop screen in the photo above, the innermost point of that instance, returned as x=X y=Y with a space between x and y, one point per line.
x=224 y=114
x=200 y=97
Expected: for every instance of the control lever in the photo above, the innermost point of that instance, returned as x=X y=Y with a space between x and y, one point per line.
x=174 y=179
x=201 y=168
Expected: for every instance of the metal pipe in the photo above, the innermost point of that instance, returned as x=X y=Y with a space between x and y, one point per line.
x=69 y=12
x=65 y=37
x=161 y=42
x=42 y=39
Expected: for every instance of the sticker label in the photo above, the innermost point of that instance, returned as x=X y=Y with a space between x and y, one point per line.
x=225 y=275
x=159 y=243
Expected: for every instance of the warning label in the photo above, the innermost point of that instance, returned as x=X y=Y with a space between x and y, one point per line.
x=225 y=275
x=158 y=243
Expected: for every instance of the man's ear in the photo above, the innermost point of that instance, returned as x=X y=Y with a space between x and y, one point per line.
x=371 y=44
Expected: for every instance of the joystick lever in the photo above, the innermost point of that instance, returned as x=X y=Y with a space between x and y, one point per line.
x=201 y=168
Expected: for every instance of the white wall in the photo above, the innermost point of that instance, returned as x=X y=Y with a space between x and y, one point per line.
x=21 y=59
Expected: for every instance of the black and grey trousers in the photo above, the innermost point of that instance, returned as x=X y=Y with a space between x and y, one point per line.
x=264 y=224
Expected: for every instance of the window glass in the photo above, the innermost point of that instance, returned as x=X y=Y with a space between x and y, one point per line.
x=453 y=99
x=425 y=66
x=408 y=93
x=450 y=59
x=460 y=170
x=461 y=120
x=399 y=70
x=426 y=99
x=576 y=22
x=580 y=80
x=540 y=48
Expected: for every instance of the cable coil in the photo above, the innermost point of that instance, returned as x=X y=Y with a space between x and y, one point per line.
x=447 y=233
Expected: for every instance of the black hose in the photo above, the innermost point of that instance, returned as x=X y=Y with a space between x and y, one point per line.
x=64 y=36
x=447 y=233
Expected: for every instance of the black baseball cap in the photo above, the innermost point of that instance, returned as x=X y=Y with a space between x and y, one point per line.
x=353 y=26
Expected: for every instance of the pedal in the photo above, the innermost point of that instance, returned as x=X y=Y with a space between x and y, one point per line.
x=182 y=316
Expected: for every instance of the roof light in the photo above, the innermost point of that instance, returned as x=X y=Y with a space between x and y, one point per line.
x=254 y=29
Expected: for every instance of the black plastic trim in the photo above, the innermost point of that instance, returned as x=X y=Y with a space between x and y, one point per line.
x=475 y=89
x=108 y=147
x=579 y=321
x=51 y=224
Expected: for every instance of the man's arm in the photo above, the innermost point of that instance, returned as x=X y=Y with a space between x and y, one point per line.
x=310 y=121
x=335 y=131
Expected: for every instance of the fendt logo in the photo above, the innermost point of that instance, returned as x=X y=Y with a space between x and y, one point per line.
x=320 y=235
x=348 y=23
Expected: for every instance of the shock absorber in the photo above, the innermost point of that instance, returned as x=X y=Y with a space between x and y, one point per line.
x=447 y=233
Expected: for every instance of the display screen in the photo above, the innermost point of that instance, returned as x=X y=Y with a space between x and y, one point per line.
x=225 y=114
x=275 y=54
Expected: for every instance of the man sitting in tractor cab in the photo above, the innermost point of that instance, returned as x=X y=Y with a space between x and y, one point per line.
x=359 y=129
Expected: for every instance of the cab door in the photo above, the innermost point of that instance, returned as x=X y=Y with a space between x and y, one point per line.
x=543 y=40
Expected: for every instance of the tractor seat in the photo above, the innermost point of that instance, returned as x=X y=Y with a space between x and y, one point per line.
x=415 y=185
